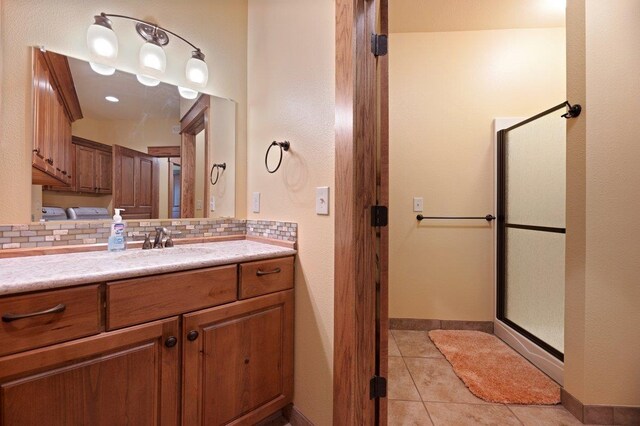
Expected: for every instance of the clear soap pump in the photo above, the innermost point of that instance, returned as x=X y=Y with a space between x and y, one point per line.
x=118 y=237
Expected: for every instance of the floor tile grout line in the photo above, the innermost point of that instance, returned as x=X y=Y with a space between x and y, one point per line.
x=424 y=404
x=514 y=414
x=404 y=362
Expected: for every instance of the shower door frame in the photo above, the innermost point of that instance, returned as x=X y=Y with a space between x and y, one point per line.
x=540 y=353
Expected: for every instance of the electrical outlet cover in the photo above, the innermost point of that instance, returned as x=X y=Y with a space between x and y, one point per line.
x=255 y=204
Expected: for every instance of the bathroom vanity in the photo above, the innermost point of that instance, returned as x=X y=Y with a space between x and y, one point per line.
x=196 y=334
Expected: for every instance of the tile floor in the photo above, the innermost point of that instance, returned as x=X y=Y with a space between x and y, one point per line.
x=423 y=390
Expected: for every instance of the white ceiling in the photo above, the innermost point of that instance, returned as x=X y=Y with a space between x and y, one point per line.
x=473 y=15
x=137 y=102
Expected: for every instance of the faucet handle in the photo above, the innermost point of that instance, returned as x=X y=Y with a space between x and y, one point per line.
x=147 y=242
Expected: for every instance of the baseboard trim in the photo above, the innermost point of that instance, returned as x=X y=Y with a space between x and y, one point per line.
x=295 y=416
x=600 y=414
x=436 y=324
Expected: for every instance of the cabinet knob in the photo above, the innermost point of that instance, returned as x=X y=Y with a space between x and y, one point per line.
x=192 y=335
x=171 y=342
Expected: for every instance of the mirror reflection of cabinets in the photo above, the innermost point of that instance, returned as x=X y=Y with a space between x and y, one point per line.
x=81 y=116
x=91 y=165
x=56 y=106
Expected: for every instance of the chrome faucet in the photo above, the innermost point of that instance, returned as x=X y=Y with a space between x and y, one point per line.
x=160 y=233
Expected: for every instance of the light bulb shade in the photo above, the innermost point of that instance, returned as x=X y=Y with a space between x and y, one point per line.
x=153 y=60
x=187 y=93
x=147 y=80
x=102 y=69
x=197 y=71
x=102 y=43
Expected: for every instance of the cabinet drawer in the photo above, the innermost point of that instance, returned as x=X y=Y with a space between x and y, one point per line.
x=40 y=319
x=145 y=299
x=265 y=276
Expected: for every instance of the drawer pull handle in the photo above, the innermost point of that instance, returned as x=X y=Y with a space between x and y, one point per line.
x=260 y=272
x=13 y=317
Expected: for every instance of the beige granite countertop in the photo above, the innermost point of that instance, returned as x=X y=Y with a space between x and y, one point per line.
x=23 y=274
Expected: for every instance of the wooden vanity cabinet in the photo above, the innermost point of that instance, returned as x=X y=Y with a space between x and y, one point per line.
x=130 y=376
x=169 y=349
x=238 y=361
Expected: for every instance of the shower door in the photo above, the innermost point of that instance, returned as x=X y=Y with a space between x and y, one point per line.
x=531 y=229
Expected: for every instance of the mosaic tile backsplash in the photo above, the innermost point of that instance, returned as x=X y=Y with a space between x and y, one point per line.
x=53 y=234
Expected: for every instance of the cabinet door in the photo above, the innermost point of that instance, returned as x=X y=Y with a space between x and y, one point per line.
x=239 y=368
x=126 y=377
x=85 y=169
x=104 y=172
x=44 y=98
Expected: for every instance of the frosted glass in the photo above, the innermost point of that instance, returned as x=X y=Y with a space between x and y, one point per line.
x=535 y=283
x=535 y=166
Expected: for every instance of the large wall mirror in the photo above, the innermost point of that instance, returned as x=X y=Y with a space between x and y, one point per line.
x=108 y=141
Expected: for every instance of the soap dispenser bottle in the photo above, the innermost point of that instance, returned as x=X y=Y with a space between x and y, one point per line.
x=118 y=237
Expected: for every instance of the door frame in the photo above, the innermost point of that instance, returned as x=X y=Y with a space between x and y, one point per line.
x=193 y=122
x=361 y=161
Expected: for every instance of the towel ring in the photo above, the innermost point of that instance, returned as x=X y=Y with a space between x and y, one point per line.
x=222 y=166
x=284 y=146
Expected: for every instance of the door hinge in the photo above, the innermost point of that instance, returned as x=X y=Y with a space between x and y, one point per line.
x=378 y=387
x=379 y=215
x=379 y=45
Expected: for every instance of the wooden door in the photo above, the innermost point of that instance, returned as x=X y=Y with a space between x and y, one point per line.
x=85 y=169
x=130 y=376
x=360 y=327
x=104 y=179
x=239 y=368
x=135 y=183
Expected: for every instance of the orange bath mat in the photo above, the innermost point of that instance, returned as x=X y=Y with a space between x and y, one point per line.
x=492 y=370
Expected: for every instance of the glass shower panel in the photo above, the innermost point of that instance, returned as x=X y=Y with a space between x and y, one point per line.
x=535 y=165
x=534 y=296
x=531 y=228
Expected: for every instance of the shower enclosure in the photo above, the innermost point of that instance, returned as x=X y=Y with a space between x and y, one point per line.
x=531 y=169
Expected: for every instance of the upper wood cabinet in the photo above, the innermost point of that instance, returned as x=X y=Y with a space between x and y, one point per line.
x=55 y=107
x=93 y=167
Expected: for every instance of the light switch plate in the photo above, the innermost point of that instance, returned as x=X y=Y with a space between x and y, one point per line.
x=212 y=203
x=198 y=204
x=255 y=203
x=322 y=200
x=418 y=204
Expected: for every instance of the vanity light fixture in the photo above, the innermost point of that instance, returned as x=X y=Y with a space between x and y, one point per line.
x=112 y=99
x=103 y=47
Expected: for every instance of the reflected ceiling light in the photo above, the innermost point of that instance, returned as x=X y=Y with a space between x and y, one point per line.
x=102 y=69
x=103 y=45
x=112 y=99
x=187 y=93
x=147 y=81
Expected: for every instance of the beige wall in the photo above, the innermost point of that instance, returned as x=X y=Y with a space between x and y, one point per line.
x=218 y=27
x=603 y=254
x=445 y=90
x=292 y=96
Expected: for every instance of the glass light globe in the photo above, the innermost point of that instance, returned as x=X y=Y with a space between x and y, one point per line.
x=102 y=42
x=197 y=71
x=147 y=81
x=102 y=69
x=187 y=93
x=153 y=60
